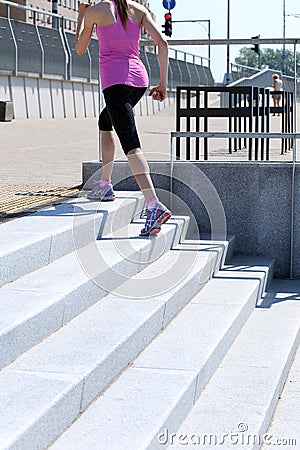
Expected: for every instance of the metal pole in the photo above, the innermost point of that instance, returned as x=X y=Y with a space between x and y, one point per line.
x=14 y=39
x=294 y=167
x=209 y=44
x=283 y=47
x=208 y=31
x=171 y=171
x=228 y=45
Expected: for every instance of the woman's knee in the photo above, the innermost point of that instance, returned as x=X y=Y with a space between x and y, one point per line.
x=104 y=121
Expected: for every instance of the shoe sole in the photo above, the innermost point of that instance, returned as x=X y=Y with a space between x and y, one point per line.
x=157 y=225
x=108 y=199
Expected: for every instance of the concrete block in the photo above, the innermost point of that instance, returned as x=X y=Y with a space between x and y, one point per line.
x=137 y=110
x=45 y=99
x=69 y=99
x=57 y=99
x=6 y=111
x=144 y=105
x=88 y=100
x=79 y=100
x=78 y=280
x=264 y=190
x=223 y=290
x=72 y=224
x=22 y=253
x=174 y=278
x=228 y=245
x=56 y=301
x=123 y=180
x=148 y=105
x=115 y=261
x=32 y=98
x=258 y=362
x=66 y=278
x=169 y=237
x=18 y=97
x=96 y=99
x=168 y=395
x=197 y=339
x=296 y=242
x=4 y=88
x=261 y=327
x=36 y=407
x=26 y=319
x=127 y=244
x=98 y=344
x=252 y=267
x=227 y=411
x=108 y=264
x=285 y=422
x=155 y=107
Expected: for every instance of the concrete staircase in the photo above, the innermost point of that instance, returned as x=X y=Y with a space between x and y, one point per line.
x=113 y=341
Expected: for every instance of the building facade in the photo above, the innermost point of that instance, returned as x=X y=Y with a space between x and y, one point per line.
x=66 y=8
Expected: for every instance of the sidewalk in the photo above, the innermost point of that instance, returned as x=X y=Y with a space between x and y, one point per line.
x=51 y=151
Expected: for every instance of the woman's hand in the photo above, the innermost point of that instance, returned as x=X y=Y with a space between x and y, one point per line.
x=158 y=93
x=83 y=7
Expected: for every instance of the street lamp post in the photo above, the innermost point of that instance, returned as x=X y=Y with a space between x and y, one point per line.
x=208 y=30
x=228 y=47
x=283 y=46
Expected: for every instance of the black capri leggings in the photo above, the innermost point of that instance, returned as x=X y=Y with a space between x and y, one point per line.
x=118 y=113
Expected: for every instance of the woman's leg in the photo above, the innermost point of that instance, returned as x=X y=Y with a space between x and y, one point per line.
x=108 y=144
x=103 y=190
x=140 y=170
x=120 y=100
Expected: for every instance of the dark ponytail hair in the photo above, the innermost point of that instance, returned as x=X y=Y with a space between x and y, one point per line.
x=123 y=11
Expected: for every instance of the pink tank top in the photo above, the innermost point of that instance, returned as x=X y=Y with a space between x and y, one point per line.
x=119 y=57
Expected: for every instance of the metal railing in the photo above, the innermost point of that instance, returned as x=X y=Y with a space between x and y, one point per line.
x=51 y=51
x=245 y=109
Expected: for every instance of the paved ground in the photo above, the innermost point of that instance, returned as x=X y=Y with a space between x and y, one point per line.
x=51 y=151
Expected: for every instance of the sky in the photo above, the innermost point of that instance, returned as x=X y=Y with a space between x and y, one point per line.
x=247 y=19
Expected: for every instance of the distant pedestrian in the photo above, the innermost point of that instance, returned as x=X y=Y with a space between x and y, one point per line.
x=277 y=86
x=124 y=81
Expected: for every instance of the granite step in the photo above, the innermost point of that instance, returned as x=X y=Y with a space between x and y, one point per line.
x=239 y=401
x=159 y=389
x=41 y=302
x=53 y=382
x=38 y=239
x=284 y=428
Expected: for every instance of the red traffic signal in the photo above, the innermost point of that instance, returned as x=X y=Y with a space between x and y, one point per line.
x=168 y=24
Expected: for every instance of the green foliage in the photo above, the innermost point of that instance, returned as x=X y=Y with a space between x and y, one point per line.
x=269 y=58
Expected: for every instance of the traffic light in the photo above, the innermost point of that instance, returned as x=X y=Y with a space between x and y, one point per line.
x=168 y=24
x=256 y=47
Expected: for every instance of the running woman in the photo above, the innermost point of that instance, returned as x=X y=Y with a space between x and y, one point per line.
x=124 y=81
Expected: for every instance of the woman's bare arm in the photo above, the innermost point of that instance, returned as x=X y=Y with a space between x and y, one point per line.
x=159 y=92
x=85 y=27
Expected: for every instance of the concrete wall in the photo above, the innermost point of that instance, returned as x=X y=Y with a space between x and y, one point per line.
x=256 y=197
x=34 y=97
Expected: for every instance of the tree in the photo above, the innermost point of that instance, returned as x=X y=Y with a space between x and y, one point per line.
x=269 y=58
